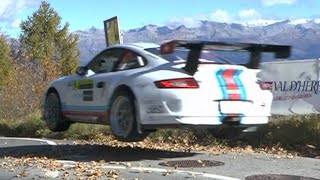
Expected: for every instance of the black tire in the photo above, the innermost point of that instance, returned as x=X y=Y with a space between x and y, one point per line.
x=53 y=114
x=123 y=119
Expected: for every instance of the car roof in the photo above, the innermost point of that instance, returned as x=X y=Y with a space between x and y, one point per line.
x=140 y=45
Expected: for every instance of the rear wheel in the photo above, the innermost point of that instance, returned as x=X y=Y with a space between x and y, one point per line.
x=53 y=114
x=123 y=118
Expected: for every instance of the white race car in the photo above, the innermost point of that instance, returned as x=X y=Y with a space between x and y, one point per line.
x=140 y=87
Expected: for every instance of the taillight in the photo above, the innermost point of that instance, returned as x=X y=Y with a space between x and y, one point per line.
x=265 y=85
x=178 y=83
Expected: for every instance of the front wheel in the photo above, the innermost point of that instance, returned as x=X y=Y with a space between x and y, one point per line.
x=123 y=118
x=53 y=114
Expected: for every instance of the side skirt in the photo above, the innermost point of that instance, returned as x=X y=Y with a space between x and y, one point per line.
x=88 y=117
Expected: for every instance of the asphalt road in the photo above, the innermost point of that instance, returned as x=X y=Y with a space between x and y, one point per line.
x=84 y=161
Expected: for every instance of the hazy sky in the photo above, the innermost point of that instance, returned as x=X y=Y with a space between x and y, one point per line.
x=83 y=14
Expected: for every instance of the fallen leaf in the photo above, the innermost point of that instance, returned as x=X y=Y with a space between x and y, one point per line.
x=66 y=174
x=23 y=174
x=311 y=146
x=113 y=173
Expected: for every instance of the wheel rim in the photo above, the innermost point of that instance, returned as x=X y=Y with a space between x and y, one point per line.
x=52 y=110
x=122 y=116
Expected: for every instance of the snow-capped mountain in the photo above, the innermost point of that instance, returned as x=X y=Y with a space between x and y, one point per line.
x=303 y=36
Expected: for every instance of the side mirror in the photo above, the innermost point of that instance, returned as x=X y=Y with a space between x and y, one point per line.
x=81 y=71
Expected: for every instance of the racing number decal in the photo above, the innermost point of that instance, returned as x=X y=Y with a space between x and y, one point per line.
x=87 y=95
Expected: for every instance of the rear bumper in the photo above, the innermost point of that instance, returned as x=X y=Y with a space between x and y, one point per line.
x=198 y=107
x=236 y=120
x=200 y=112
x=207 y=120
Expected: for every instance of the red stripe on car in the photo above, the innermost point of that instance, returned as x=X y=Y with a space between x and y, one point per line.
x=231 y=84
x=83 y=113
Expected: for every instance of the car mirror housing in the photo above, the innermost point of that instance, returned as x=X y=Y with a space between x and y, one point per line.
x=81 y=71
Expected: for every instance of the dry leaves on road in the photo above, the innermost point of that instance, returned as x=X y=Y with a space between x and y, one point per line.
x=184 y=147
x=89 y=170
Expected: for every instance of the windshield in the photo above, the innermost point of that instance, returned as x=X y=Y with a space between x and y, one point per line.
x=217 y=57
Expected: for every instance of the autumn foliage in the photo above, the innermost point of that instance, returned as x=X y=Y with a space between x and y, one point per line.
x=44 y=51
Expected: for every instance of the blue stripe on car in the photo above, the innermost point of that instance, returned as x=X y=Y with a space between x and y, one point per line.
x=222 y=83
x=85 y=108
x=220 y=80
x=243 y=94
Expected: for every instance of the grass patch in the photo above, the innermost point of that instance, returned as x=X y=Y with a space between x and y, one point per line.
x=33 y=126
x=291 y=131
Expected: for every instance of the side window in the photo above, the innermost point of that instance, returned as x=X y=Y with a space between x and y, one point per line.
x=105 y=61
x=129 y=60
x=116 y=60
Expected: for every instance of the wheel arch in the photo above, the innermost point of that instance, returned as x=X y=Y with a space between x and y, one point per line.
x=123 y=87
x=53 y=90
x=44 y=97
x=127 y=88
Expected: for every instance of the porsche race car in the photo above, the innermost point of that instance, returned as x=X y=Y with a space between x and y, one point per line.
x=139 y=87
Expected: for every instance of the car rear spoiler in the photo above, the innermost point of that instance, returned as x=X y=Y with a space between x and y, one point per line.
x=195 y=47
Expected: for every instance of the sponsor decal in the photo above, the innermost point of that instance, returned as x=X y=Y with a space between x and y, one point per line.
x=83 y=84
x=293 y=97
x=88 y=95
x=295 y=86
x=302 y=89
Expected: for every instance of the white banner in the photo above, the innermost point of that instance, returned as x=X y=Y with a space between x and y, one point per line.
x=295 y=86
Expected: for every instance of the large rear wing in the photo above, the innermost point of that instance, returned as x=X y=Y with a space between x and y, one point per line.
x=195 y=47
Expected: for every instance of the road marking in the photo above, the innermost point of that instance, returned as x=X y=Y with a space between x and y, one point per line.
x=30 y=139
x=150 y=170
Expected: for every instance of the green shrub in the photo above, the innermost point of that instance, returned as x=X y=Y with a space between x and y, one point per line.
x=33 y=126
x=293 y=130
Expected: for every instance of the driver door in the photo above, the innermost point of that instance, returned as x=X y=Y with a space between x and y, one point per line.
x=90 y=92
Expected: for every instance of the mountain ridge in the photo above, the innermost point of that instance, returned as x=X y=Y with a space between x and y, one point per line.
x=303 y=37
